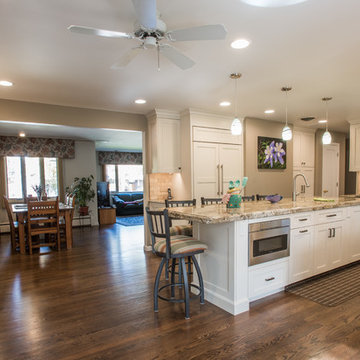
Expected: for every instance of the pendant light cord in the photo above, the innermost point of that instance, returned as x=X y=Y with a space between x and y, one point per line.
x=235 y=100
x=286 y=108
x=327 y=114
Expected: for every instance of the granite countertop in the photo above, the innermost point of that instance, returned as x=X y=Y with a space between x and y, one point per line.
x=212 y=214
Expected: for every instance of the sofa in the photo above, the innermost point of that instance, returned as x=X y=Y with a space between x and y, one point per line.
x=128 y=203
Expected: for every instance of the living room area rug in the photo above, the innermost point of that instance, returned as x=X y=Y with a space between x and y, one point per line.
x=331 y=289
x=130 y=220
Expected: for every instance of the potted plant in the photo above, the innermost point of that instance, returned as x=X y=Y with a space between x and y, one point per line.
x=82 y=189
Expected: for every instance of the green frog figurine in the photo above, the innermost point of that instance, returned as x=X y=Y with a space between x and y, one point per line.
x=232 y=198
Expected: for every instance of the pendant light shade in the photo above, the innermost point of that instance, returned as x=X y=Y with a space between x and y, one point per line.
x=326 y=138
x=236 y=125
x=286 y=131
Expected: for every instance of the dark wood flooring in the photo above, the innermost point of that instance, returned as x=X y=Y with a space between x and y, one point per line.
x=95 y=302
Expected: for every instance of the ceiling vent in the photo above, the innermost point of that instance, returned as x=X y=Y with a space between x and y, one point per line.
x=308 y=118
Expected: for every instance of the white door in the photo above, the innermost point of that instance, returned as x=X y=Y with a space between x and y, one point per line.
x=206 y=170
x=230 y=158
x=330 y=170
x=335 y=245
x=301 y=265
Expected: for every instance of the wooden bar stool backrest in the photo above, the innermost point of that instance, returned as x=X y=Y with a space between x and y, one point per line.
x=248 y=198
x=210 y=201
x=43 y=218
x=180 y=203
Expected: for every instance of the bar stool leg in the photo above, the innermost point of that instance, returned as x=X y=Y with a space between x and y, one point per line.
x=186 y=288
x=156 y=285
x=201 y=282
x=173 y=265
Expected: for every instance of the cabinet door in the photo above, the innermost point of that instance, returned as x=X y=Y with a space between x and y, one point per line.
x=308 y=149
x=297 y=160
x=230 y=157
x=206 y=170
x=335 y=245
x=321 y=238
x=353 y=235
x=354 y=147
x=301 y=254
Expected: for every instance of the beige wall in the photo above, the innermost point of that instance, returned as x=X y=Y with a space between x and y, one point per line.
x=265 y=181
x=71 y=116
x=339 y=138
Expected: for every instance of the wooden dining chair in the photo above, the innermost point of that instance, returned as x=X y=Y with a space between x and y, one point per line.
x=14 y=228
x=43 y=223
x=69 y=201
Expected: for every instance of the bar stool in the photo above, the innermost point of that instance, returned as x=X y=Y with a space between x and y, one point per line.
x=210 y=201
x=248 y=198
x=173 y=248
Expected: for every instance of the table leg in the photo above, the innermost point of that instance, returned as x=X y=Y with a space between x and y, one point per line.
x=20 y=218
x=68 y=230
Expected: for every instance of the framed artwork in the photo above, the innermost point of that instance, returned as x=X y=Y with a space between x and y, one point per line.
x=271 y=153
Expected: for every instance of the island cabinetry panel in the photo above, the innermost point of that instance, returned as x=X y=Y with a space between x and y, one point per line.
x=352 y=237
x=301 y=264
x=267 y=278
x=214 y=166
x=329 y=250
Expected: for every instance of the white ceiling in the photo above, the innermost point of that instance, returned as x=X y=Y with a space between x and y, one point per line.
x=312 y=46
x=105 y=139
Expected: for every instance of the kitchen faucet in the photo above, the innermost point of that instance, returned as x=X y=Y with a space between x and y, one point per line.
x=294 y=185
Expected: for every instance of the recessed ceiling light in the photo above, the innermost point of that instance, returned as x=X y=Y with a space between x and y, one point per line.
x=270 y=111
x=22 y=134
x=322 y=121
x=240 y=44
x=140 y=101
x=6 y=83
x=272 y=3
x=225 y=103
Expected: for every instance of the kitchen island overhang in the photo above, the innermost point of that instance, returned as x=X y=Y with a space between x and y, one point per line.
x=230 y=282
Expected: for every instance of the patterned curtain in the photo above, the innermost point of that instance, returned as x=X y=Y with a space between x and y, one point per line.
x=119 y=158
x=37 y=147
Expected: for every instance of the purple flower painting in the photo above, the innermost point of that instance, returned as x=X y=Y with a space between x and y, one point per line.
x=271 y=153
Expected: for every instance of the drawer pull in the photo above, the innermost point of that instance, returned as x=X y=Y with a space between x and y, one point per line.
x=303 y=219
x=303 y=231
x=270 y=279
x=331 y=215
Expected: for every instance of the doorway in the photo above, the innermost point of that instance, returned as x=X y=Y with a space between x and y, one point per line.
x=330 y=170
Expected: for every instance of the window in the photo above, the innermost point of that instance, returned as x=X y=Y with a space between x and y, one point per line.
x=125 y=177
x=22 y=173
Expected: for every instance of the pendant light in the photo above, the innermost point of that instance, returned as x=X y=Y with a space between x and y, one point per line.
x=236 y=126
x=326 y=138
x=286 y=131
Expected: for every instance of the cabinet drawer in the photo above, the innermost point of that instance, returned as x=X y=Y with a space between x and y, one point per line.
x=266 y=279
x=328 y=216
x=301 y=220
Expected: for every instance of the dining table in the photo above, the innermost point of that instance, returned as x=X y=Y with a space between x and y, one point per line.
x=20 y=210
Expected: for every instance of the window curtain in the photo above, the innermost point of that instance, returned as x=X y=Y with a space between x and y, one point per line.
x=37 y=147
x=119 y=158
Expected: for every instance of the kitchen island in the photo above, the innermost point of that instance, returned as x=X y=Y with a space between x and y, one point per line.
x=322 y=236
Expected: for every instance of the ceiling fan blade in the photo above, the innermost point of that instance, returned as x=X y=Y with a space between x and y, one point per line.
x=98 y=32
x=206 y=32
x=146 y=13
x=175 y=56
x=127 y=58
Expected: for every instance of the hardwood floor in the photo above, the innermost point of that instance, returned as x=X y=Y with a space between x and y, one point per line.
x=95 y=302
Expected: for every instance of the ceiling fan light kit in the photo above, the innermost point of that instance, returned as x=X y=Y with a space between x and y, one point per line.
x=286 y=131
x=151 y=31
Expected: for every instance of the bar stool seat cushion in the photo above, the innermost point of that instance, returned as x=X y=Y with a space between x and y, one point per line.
x=181 y=230
x=180 y=244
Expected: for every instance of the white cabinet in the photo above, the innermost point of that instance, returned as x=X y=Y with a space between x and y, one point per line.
x=214 y=166
x=328 y=246
x=352 y=236
x=304 y=149
x=164 y=142
x=354 y=163
x=301 y=265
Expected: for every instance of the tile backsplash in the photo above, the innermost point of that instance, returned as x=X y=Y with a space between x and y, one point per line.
x=159 y=184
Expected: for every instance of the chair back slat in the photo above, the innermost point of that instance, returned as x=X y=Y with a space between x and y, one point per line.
x=210 y=201
x=261 y=197
x=248 y=198
x=9 y=213
x=179 y=203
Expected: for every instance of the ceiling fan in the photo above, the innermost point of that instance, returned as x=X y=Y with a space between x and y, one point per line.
x=151 y=31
